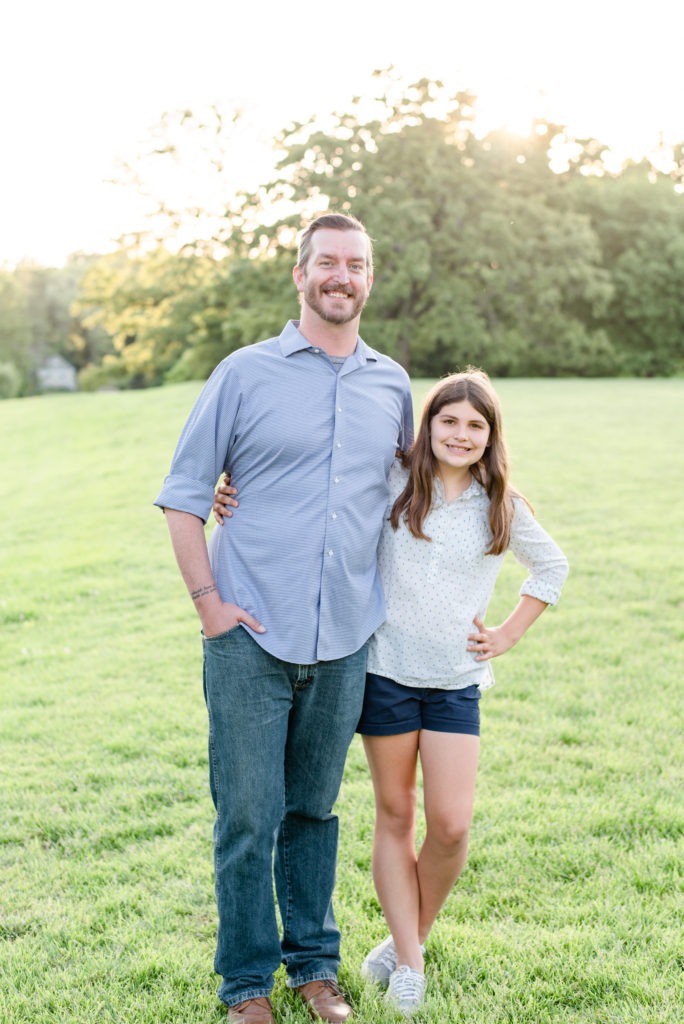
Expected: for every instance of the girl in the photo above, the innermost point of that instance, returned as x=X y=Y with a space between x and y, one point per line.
x=453 y=516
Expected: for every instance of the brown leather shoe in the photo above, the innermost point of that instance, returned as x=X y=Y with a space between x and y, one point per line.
x=325 y=1001
x=252 y=1011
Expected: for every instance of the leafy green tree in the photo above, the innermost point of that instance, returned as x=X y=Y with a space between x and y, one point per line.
x=649 y=280
x=174 y=316
x=135 y=298
x=242 y=301
x=475 y=262
x=483 y=253
x=638 y=218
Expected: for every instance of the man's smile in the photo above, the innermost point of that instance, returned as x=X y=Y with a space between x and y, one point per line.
x=338 y=293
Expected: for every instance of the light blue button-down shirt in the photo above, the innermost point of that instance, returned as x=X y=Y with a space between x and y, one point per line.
x=310 y=450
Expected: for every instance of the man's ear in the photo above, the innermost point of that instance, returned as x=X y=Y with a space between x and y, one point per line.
x=298 y=278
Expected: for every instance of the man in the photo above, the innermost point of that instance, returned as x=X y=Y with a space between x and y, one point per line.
x=308 y=424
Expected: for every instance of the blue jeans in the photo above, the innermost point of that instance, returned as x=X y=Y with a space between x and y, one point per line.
x=278 y=739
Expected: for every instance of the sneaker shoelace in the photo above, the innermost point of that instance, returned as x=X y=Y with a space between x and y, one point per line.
x=407 y=983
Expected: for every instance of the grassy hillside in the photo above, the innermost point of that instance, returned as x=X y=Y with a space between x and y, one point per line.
x=567 y=910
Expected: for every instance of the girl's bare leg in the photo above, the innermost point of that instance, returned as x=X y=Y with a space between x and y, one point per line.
x=449 y=765
x=411 y=888
x=393 y=761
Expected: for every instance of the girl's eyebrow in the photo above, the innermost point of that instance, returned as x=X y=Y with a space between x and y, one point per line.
x=453 y=416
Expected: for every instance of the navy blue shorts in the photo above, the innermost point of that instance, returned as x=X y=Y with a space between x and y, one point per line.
x=391 y=708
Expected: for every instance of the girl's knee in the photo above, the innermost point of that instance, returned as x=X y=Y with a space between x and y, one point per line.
x=449 y=834
x=397 y=816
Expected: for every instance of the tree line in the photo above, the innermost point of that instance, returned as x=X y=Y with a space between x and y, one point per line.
x=527 y=256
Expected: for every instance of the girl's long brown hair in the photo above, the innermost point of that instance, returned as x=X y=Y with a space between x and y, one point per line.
x=492 y=471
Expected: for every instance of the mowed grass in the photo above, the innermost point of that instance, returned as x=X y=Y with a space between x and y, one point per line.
x=570 y=905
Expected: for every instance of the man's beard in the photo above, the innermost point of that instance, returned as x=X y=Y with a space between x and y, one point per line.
x=343 y=316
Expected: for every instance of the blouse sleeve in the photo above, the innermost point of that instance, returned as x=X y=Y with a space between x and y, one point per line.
x=537 y=551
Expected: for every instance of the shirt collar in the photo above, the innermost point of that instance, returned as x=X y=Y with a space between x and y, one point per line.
x=473 y=490
x=292 y=341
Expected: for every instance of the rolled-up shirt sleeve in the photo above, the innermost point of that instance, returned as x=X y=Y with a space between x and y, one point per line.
x=532 y=546
x=204 y=445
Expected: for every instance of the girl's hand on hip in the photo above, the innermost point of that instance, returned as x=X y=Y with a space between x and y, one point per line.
x=489 y=643
x=224 y=500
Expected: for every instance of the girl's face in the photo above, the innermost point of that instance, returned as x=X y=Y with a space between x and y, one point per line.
x=459 y=435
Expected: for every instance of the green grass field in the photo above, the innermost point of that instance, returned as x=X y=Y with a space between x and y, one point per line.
x=570 y=905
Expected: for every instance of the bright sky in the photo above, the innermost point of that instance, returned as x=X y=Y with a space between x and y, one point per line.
x=82 y=82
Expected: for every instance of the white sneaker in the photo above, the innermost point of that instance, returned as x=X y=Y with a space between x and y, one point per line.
x=406 y=989
x=380 y=962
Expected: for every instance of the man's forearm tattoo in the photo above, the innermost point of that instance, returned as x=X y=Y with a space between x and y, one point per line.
x=202 y=591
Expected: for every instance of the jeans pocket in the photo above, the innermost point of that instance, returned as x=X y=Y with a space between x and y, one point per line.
x=220 y=636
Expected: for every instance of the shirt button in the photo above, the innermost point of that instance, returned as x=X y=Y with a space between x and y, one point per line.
x=339 y=408
x=330 y=552
x=333 y=515
x=337 y=479
x=317 y=351
x=339 y=444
